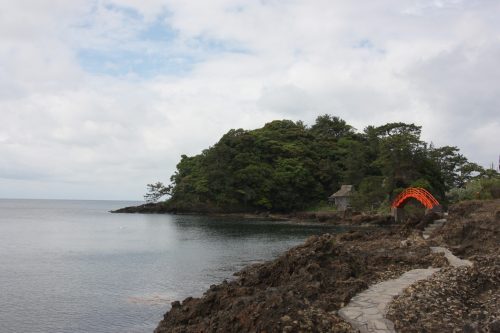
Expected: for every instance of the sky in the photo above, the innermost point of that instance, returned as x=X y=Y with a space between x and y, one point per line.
x=100 y=97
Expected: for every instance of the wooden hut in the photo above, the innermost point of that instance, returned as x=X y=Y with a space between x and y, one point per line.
x=341 y=198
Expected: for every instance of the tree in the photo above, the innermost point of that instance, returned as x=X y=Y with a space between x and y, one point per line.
x=156 y=191
x=399 y=150
x=468 y=171
x=455 y=168
x=286 y=166
x=331 y=127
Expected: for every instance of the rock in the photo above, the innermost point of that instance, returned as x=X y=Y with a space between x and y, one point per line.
x=303 y=289
x=149 y=208
x=495 y=326
x=405 y=243
x=286 y=318
x=455 y=297
x=472 y=228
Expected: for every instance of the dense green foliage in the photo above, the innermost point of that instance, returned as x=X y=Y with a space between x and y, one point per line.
x=286 y=166
x=485 y=187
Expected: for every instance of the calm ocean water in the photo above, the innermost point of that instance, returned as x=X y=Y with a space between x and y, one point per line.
x=70 y=266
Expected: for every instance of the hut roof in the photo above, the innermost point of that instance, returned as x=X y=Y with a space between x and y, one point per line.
x=345 y=191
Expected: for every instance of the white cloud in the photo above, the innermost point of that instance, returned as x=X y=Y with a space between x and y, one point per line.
x=70 y=132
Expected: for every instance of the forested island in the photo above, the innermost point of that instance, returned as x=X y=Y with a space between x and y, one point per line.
x=288 y=166
x=357 y=279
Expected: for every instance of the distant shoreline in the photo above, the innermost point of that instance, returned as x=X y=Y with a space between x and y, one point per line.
x=317 y=217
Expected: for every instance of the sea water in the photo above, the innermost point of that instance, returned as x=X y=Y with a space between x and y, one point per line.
x=71 y=266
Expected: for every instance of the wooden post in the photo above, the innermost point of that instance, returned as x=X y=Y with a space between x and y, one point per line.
x=397 y=213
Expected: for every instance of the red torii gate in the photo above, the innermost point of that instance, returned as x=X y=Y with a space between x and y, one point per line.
x=418 y=193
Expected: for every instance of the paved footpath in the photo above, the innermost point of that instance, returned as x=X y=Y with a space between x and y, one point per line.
x=366 y=311
x=452 y=259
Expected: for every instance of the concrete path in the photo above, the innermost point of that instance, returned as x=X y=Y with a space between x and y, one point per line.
x=431 y=227
x=366 y=311
x=452 y=259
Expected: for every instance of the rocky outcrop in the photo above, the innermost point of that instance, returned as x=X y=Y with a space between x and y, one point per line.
x=464 y=298
x=456 y=299
x=472 y=227
x=326 y=217
x=301 y=290
x=149 y=208
x=366 y=311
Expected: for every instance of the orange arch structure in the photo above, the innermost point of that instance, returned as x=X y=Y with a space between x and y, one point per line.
x=417 y=193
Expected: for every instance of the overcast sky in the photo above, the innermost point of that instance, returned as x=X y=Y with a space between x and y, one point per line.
x=98 y=98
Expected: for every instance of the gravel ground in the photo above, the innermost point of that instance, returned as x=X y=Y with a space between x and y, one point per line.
x=463 y=299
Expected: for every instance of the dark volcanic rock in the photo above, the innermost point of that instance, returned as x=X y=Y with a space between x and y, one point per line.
x=464 y=299
x=456 y=299
x=149 y=208
x=302 y=289
x=473 y=227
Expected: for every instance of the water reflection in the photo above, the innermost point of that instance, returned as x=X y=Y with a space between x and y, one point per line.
x=70 y=266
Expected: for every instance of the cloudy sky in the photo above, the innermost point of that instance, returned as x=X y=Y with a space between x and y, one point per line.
x=100 y=97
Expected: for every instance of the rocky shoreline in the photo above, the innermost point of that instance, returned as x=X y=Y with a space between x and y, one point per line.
x=324 y=217
x=147 y=208
x=302 y=290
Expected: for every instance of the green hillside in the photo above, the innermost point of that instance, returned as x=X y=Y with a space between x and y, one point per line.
x=286 y=166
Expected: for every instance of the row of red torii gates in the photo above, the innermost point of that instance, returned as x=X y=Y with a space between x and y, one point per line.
x=418 y=193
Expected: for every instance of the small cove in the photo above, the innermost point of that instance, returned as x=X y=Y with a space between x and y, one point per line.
x=70 y=266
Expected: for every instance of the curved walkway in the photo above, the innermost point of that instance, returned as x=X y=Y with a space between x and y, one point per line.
x=452 y=259
x=366 y=311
